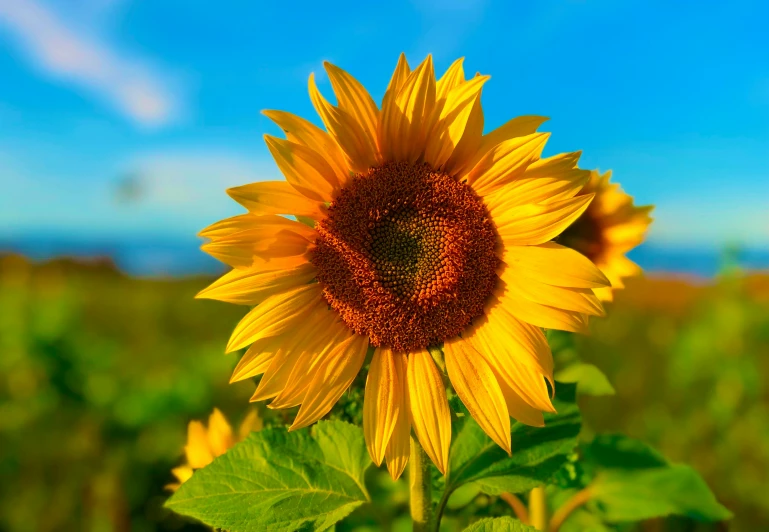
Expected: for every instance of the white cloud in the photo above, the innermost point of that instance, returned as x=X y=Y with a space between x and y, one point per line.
x=176 y=192
x=77 y=56
x=195 y=181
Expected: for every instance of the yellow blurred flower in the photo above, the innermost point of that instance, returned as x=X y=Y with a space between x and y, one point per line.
x=414 y=231
x=609 y=228
x=206 y=443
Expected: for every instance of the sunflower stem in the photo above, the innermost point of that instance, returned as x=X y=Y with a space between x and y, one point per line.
x=562 y=513
x=538 y=508
x=420 y=487
x=519 y=509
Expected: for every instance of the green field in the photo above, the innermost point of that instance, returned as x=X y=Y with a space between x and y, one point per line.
x=100 y=373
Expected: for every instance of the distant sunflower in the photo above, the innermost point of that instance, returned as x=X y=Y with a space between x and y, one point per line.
x=415 y=231
x=206 y=443
x=610 y=227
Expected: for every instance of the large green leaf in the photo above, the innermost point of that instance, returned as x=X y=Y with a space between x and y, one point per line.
x=590 y=379
x=537 y=452
x=280 y=481
x=617 y=451
x=627 y=495
x=499 y=524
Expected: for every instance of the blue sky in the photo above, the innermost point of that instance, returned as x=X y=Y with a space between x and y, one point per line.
x=673 y=96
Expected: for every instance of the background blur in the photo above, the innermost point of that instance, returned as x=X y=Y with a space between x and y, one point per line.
x=122 y=122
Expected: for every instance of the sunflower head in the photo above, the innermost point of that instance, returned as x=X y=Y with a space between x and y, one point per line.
x=610 y=227
x=414 y=232
x=204 y=443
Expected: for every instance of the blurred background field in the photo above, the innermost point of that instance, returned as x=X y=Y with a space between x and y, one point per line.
x=101 y=372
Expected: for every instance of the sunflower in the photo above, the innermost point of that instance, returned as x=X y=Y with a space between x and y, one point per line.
x=609 y=228
x=206 y=443
x=416 y=235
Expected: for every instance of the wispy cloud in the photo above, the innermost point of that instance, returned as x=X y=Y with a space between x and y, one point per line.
x=77 y=56
x=169 y=191
x=195 y=181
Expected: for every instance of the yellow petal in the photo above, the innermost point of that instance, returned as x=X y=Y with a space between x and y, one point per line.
x=402 y=71
x=276 y=197
x=183 y=473
x=554 y=264
x=407 y=120
x=220 y=436
x=430 y=415
x=228 y=226
x=238 y=227
x=400 y=74
x=274 y=316
x=450 y=125
x=333 y=376
x=308 y=337
x=381 y=402
x=520 y=342
x=545 y=316
x=453 y=77
x=520 y=380
x=257 y=358
x=259 y=241
x=197 y=450
x=576 y=299
x=397 y=451
x=624 y=267
x=345 y=130
x=265 y=227
x=306 y=170
x=626 y=234
x=237 y=256
x=355 y=100
x=268 y=240
x=252 y=286
x=276 y=375
x=463 y=155
x=299 y=130
x=505 y=162
x=543 y=181
x=604 y=294
x=519 y=126
x=538 y=223
x=251 y=423
x=478 y=389
x=519 y=409
x=333 y=332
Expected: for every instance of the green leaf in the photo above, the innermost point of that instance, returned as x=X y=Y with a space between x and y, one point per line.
x=462 y=496
x=538 y=452
x=590 y=379
x=306 y=220
x=647 y=493
x=617 y=451
x=499 y=524
x=280 y=481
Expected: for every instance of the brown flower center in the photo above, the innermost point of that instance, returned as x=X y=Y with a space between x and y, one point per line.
x=406 y=255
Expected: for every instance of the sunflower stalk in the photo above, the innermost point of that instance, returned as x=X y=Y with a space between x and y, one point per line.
x=538 y=509
x=578 y=499
x=420 y=487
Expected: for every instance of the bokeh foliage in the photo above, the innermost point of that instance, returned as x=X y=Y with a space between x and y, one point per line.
x=100 y=373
